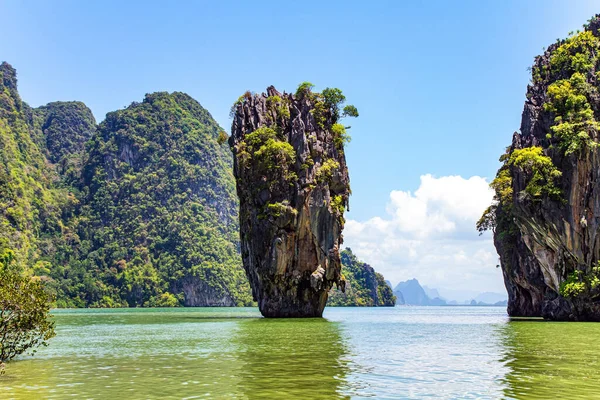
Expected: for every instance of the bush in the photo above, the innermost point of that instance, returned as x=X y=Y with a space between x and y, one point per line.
x=303 y=89
x=350 y=111
x=222 y=137
x=574 y=116
x=340 y=136
x=325 y=172
x=542 y=170
x=24 y=316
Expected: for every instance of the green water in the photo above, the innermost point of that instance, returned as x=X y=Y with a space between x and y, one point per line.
x=403 y=352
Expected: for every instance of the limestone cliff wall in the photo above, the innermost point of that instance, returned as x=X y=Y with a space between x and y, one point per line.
x=547 y=212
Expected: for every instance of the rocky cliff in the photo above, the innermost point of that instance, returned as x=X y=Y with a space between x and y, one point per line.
x=293 y=186
x=364 y=287
x=546 y=213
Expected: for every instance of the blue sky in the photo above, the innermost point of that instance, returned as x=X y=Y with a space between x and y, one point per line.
x=439 y=85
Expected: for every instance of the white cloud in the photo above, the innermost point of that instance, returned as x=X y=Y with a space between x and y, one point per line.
x=430 y=235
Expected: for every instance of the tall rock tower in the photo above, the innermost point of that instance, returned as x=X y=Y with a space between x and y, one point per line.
x=293 y=186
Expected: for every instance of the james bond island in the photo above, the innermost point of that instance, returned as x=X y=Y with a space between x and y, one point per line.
x=547 y=202
x=293 y=185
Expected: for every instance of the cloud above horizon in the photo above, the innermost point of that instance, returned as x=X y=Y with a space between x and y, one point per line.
x=430 y=235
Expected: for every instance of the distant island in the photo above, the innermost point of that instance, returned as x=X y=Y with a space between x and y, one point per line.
x=411 y=292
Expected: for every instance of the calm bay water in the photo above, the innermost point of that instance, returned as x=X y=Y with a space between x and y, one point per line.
x=401 y=352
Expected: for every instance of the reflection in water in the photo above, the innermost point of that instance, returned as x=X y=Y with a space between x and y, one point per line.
x=291 y=359
x=401 y=352
x=137 y=354
x=548 y=360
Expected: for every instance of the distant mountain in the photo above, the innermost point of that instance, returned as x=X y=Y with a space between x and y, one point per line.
x=490 y=297
x=436 y=301
x=431 y=293
x=412 y=292
x=399 y=298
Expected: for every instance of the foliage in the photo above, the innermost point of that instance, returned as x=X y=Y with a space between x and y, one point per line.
x=153 y=207
x=304 y=89
x=340 y=136
x=543 y=173
x=246 y=96
x=542 y=177
x=337 y=204
x=266 y=153
x=333 y=98
x=326 y=105
x=364 y=286
x=30 y=205
x=25 y=324
x=66 y=127
x=503 y=198
x=581 y=284
x=350 y=111
x=222 y=137
x=577 y=53
x=159 y=210
x=574 y=117
x=325 y=171
x=277 y=209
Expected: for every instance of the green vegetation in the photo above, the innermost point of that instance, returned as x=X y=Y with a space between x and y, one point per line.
x=325 y=171
x=148 y=217
x=25 y=324
x=264 y=153
x=222 y=137
x=574 y=115
x=158 y=213
x=246 y=96
x=564 y=82
x=337 y=204
x=582 y=284
x=578 y=53
x=326 y=107
x=277 y=210
x=305 y=88
x=542 y=172
x=364 y=286
x=340 y=136
x=30 y=207
x=570 y=77
x=350 y=111
x=542 y=181
x=65 y=127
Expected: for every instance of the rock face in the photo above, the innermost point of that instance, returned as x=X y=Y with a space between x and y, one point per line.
x=293 y=186
x=546 y=214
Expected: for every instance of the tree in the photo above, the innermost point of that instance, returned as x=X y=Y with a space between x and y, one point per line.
x=350 y=111
x=24 y=319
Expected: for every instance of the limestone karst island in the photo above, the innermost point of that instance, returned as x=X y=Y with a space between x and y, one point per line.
x=325 y=200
